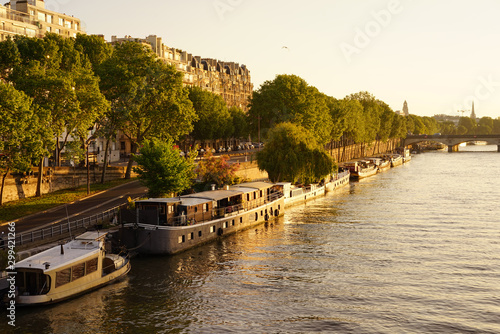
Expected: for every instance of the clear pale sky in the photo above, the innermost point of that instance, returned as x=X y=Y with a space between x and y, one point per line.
x=438 y=55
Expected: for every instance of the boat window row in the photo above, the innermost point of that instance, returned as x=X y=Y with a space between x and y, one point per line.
x=213 y=229
x=75 y=272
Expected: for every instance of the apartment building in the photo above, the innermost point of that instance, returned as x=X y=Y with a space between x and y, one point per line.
x=30 y=18
x=230 y=80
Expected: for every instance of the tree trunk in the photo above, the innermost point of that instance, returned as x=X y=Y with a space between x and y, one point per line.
x=58 y=154
x=3 y=184
x=88 y=169
x=39 y=179
x=130 y=161
x=105 y=164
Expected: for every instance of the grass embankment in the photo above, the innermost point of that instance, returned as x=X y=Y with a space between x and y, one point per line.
x=24 y=207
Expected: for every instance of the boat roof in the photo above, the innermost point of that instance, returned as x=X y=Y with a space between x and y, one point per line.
x=77 y=250
x=215 y=195
x=160 y=200
x=254 y=185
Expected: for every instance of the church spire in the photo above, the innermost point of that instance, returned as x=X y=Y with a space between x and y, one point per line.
x=405 y=109
x=473 y=114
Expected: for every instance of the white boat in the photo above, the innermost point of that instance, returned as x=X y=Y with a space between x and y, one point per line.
x=361 y=169
x=172 y=225
x=68 y=270
x=302 y=193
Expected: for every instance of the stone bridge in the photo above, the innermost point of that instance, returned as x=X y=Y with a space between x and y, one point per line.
x=452 y=141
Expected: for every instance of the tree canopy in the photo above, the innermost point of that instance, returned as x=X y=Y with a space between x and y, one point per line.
x=288 y=98
x=19 y=133
x=162 y=169
x=292 y=154
x=147 y=97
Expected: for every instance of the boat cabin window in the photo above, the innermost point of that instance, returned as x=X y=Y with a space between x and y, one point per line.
x=32 y=282
x=171 y=209
x=63 y=277
x=77 y=271
x=91 y=266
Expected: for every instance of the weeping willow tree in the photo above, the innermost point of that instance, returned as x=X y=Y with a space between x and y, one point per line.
x=292 y=154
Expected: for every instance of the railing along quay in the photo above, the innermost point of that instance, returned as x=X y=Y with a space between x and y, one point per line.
x=66 y=227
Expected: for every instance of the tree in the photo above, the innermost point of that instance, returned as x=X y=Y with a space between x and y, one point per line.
x=9 y=57
x=214 y=120
x=485 y=126
x=19 y=143
x=288 y=98
x=147 y=97
x=162 y=169
x=219 y=171
x=94 y=48
x=292 y=154
x=239 y=120
x=469 y=124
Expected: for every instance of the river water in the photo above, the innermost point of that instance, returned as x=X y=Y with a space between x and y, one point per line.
x=412 y=250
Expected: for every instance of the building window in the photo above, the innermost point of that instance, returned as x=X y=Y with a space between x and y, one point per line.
x=68 y=24
x=61 y=22
x=241 y=220
x=41 y=17
x=76 y=26
x=49 y=18
x=49 y=29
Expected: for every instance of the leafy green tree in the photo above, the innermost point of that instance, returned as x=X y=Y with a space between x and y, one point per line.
x=214 y=120
x=469 y=124
x=53 y=74
x=485 y=126
x=19 y=143
x=9 y=57
x=447 y=128
x=147 y=96
x=94 y=48
x=162 y=169
x=292 y=154
x=372 y=111
x=288 y=98
x=239 y=120
x=218 y=171
x=496 y=126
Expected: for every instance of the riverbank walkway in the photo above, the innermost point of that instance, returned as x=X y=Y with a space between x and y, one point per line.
x=83 y=208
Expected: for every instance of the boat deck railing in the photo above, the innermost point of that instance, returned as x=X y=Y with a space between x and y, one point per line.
x=232 y=210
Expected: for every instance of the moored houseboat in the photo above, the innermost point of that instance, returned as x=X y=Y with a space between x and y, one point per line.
x=68 y=270
x=396 y=160
x=172 y=225
x=297 y=194
x=361 y=169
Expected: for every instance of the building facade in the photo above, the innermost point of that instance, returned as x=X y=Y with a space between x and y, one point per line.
x=230 y=80
x=30 y=18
